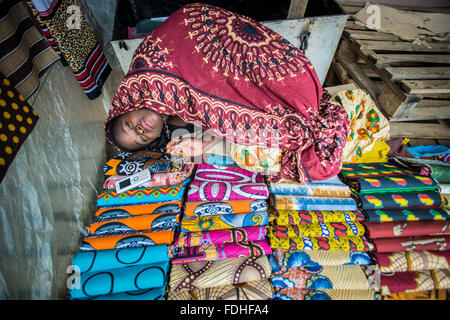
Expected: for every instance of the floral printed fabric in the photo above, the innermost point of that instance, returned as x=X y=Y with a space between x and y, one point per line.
x=253 y=290
x=257 y=159
x=220 y=251
x=326 y=277
x=322 y=294
x=318 y=258
x=367 y=124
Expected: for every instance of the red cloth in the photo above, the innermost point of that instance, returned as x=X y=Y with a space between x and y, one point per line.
x=400 y=244
x=406 y=228
x=231 y=74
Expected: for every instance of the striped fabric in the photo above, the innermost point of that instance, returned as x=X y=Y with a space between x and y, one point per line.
x=25 y=54
x=77 y=45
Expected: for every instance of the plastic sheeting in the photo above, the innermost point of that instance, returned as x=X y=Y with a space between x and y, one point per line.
x=50 y=189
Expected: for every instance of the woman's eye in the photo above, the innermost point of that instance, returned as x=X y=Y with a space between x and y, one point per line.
x=129 y=125
x=141 y=138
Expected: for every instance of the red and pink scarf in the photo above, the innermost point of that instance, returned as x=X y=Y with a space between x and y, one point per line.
x=241 y=81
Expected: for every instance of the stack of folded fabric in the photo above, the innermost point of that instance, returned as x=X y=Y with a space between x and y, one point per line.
x=125 y=252
x=407 y=226
x=221 y=251
x=318 y=242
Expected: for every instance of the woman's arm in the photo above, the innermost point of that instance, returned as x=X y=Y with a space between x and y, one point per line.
x=189 y=147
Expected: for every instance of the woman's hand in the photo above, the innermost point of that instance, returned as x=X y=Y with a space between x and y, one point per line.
x=188 y=147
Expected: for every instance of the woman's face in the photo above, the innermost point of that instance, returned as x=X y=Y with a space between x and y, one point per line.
x=136 y=129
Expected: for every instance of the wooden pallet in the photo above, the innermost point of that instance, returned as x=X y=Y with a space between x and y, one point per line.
x=409 y=82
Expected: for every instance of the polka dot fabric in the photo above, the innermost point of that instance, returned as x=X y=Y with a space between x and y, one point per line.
x=17 y=120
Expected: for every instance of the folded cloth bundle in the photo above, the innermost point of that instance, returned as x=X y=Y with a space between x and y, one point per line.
x=397 y=200
x=439 y=170
x=381 y=215
x=349 y=243
x=419 y=243
x=201 y=238
x=297 y=217
x=120 y=212
x=326 y=277
x=225 y=221
x=142 y=195
x=406 y=228
x=435 y=294
x=253 y=290
x=118 y=280
x=157 y=179
x=410 y=281
x=137 y=239
x=213 y=183
x=202 y=208
x=332 y=187
x=207 y=274
x=313 y=203
x=145 y=294
x=387 y=184
x=355 y=170
x=318 y=258
x=292 y=293
x=412 y=260
x=222 y=251
x=219 y=160
x=149 y=222
x=126 y=163
x=339 y=229
x=89 y=261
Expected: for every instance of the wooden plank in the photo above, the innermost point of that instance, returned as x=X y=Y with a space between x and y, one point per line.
x=354 y=26
x=370 y=35
x=427 y=110
x=426 y=86
x=402 y=46
x=382 y=59
x=418 y=73
x=297 y=9
x=360 y=77
x=419 y=130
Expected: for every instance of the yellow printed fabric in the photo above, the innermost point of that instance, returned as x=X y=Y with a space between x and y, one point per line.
x=256 y=159
x=367 y=124
x=349 y=243
x=319 y=230
x=293 y=217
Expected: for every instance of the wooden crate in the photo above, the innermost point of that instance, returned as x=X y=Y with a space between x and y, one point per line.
x=410 y=83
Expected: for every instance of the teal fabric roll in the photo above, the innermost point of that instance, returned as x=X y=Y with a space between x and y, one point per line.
x=99 y=260
x=146 y=294
x=120 y=280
